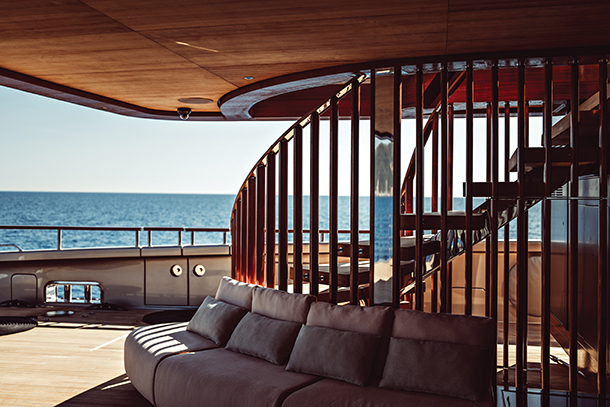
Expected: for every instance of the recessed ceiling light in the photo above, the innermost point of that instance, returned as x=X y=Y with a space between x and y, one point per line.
x=195 y=101
x=248 y=78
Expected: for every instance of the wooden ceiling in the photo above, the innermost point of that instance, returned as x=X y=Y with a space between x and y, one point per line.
x=139 y=57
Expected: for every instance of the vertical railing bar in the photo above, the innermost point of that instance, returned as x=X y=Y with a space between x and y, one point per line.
x=602 y=301
x=469 y=180
x=224 y=238
x=397 y=110
x=546 y=229
x=488 y=165
x=521 y=227
x=574 y=193
x=419 y=185
x=314 y=204
x=237 y=240
x=495 y=170
x=270 y=238
x=243 y=274
x=150 y=238
x=233 y=246
x=444 y=186
x=434 y=203
x=506 y=309
x=450 y=143
x=355 y=194
x=193 y=238
x=372 y=190
x=58 y=239
x=251 y=260
x=138 y=238
x=334 y=200
x=260 y=225
x=283 y=217
x=297 y=213
x=180 y=238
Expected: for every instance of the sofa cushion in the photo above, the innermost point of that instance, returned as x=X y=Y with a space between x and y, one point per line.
x=341 y=355
x=448 y=369
x=462 y=329
x=281 y=305
x=265 y=338
x=145 y=347
x=329 y=392
x=375 y=320
x=216 y=320
x=222 y=378
x=235 y=292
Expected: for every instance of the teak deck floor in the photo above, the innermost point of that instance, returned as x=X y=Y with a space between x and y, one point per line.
x=74 y=361
x=68 y=361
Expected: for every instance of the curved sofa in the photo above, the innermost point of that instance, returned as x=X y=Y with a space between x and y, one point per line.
x=254 y=346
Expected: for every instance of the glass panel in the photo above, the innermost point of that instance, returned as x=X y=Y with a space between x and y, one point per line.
x=383 y=186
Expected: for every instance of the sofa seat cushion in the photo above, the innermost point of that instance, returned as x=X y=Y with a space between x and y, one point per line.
x=216 y=320
x=329 y=392
x=220 y=377
x=146 y=346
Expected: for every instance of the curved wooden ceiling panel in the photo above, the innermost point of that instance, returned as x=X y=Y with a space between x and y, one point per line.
x=149 y=53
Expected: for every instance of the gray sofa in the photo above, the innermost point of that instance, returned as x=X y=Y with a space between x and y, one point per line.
x=254 y=346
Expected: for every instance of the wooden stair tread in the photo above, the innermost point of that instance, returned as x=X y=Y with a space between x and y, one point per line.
x=560 y=157
x=344 y=271
x=432 y=220
x=407 y=251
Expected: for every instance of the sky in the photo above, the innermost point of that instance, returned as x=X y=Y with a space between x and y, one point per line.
x=54 y=146
x=50 y=145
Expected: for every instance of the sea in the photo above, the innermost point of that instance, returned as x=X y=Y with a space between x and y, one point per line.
x=156 y=210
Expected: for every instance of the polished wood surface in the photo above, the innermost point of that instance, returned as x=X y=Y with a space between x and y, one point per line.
x=147 y=54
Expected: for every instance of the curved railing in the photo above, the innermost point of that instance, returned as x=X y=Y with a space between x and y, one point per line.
x=509 y=95
x=254 y=212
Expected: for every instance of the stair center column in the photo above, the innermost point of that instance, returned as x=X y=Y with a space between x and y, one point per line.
x=384 y=173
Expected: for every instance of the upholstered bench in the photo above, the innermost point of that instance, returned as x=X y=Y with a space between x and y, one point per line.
x=254 y=346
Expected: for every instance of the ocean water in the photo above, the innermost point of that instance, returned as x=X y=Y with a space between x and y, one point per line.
x=147 y=210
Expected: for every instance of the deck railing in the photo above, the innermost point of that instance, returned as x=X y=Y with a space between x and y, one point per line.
x=137 y=230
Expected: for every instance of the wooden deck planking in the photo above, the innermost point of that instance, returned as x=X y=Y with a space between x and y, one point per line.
x=75 y=363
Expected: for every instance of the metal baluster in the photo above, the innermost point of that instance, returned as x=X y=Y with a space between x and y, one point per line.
x=419 y=185
x=283 y=217
x=260 y=225
x=355 y=194
x=297 y=213
x=573 y=269
x=314 y=204
x=469 y=177
x=333 y=199
x=270 y=240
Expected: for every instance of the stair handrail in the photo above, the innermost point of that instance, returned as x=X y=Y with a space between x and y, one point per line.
x=406 y=193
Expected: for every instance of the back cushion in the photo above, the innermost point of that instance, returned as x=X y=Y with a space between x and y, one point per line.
x=265 y=338
x=235 y=292
x=369 y=320
x=216 y=320
x=461 y=329
x=281 y=305
x=452 y=355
